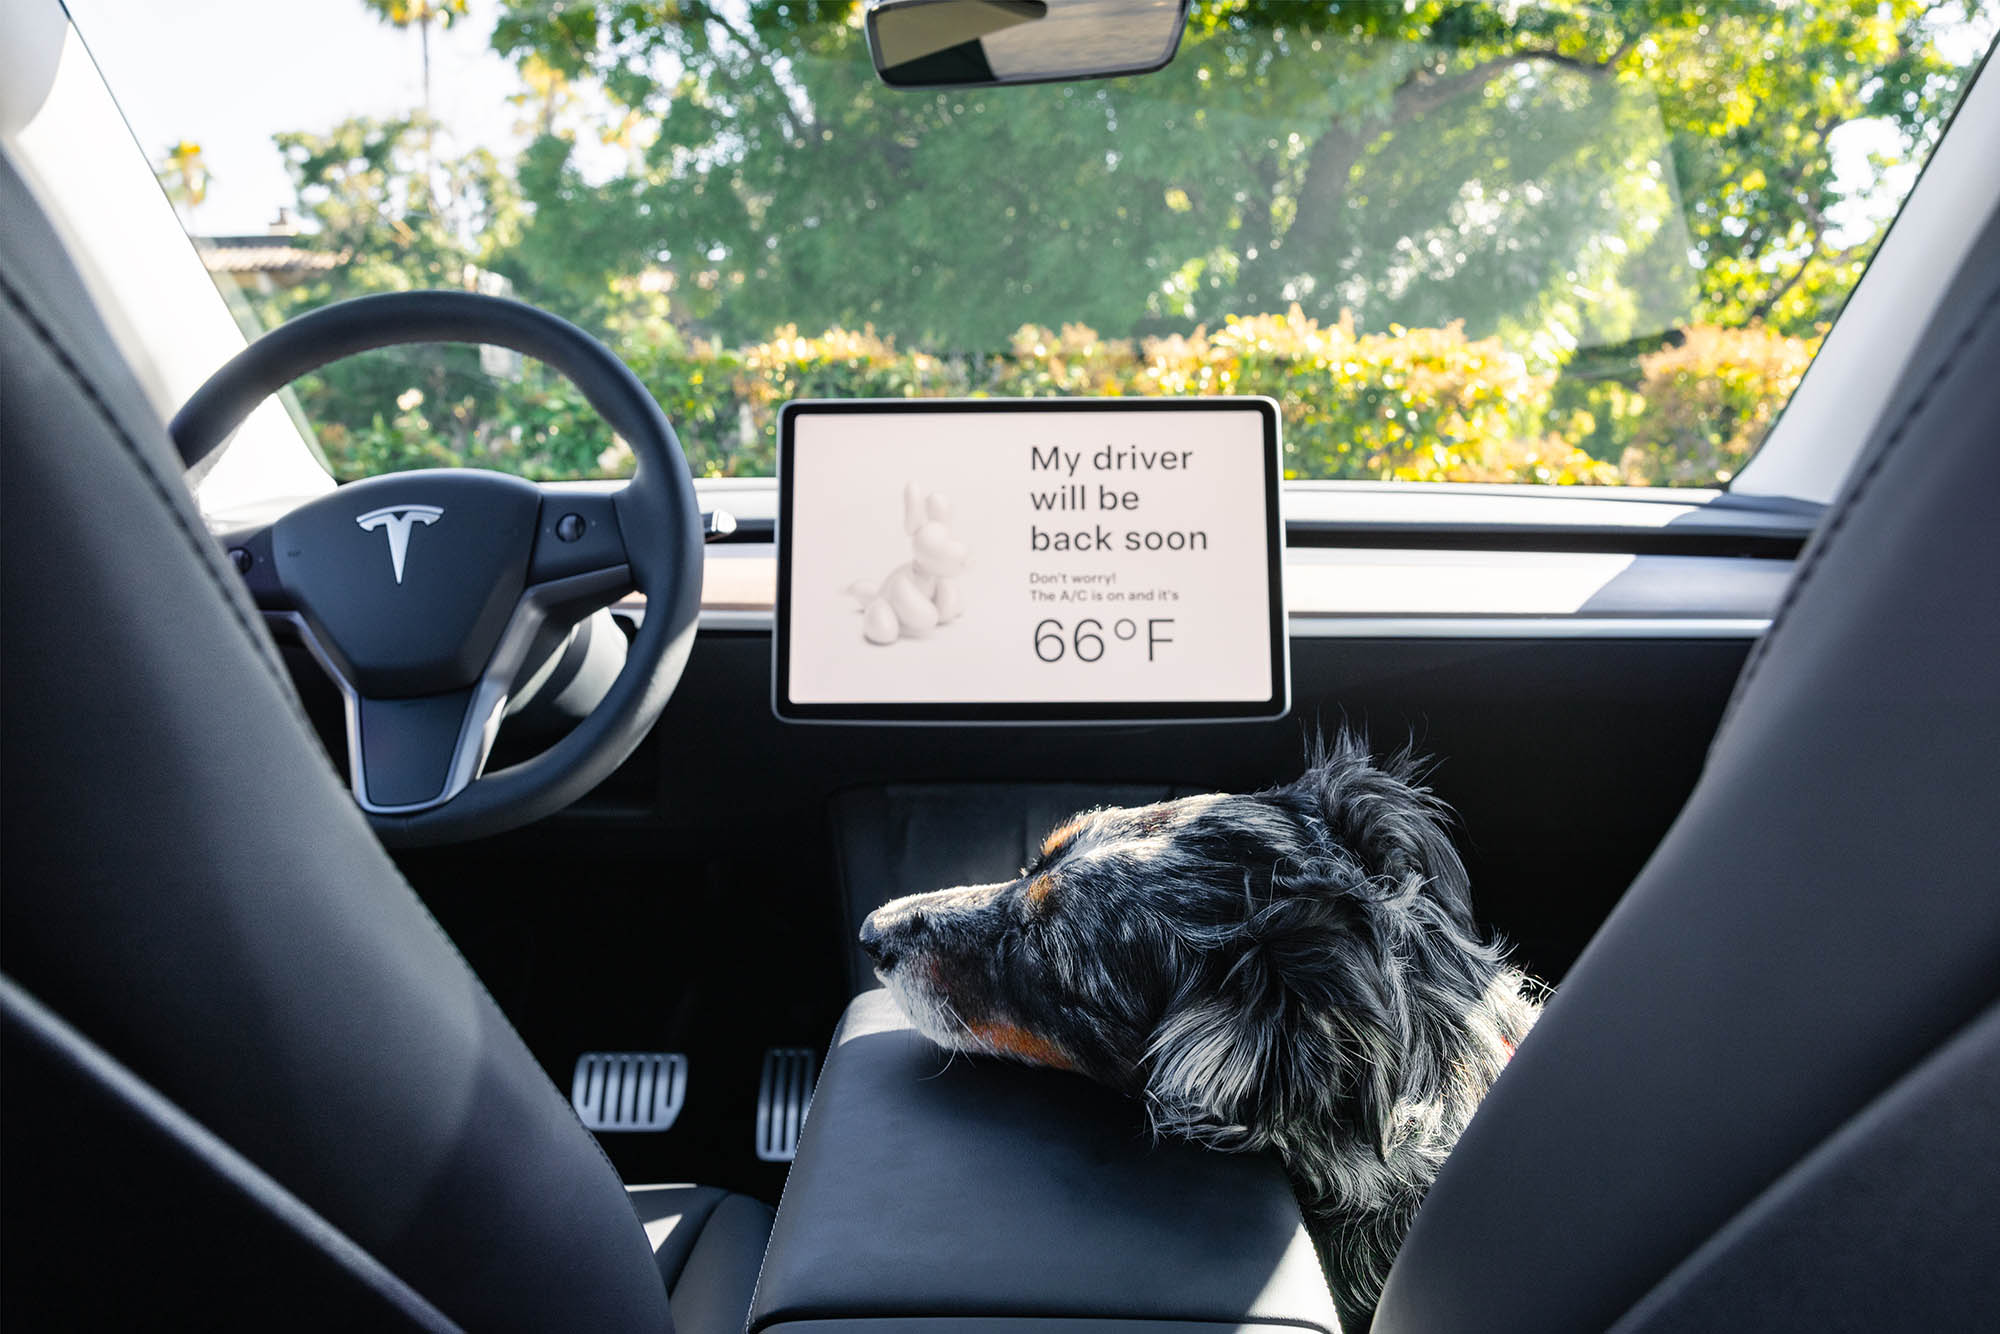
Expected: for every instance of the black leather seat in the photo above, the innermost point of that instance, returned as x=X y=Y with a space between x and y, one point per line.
x=1768 y=1094
x=248 y=1079
x=708 y=1245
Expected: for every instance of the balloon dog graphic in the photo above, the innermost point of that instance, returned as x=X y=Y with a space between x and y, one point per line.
x=921 y=594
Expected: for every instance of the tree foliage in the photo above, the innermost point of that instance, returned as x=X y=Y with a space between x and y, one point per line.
x=1586 y=231
x=1409 y=163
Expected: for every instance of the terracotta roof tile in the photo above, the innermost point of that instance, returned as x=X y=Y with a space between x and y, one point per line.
x=263 y=254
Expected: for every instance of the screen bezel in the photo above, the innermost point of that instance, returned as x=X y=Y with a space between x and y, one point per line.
x=972 y=712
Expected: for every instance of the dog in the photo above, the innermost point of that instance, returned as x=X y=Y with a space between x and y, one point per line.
x=923 y=593
x=1295 y=970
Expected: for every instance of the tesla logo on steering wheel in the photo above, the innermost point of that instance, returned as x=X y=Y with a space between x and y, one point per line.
x=397 y=520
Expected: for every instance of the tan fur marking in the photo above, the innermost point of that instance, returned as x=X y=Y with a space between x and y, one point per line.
x=1019 y=1043
x=1063 y=834
x=1039 y=890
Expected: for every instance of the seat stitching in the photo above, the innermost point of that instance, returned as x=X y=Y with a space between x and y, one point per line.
x=698 y=1221
x=133 y=1095
x=204 y=553
x=204 y=546
x=1816 y=553
x=832 y=1045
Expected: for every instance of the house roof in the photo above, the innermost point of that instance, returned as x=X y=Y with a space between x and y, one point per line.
x=263 y=254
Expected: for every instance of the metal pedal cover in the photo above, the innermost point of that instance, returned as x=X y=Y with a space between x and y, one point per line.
x=629 y=1090
x=784 y=1092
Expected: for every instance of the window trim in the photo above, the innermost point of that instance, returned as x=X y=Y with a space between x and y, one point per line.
x=1848 y=387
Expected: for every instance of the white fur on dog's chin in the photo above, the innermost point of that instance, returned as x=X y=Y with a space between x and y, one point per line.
x=933 y=1017
x=927 y=1013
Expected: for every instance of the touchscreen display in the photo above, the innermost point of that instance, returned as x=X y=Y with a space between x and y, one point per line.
x=1018 y=560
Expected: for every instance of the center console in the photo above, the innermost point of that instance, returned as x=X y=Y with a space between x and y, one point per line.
x=975 y=1196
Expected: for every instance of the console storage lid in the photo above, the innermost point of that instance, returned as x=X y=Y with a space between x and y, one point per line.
x=980 y=1188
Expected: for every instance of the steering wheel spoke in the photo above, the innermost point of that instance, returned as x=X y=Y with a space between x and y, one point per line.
x=249 y=550
x=578 y=535
x=408 y=755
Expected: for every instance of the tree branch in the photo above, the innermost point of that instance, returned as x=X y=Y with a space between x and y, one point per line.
x=761 y=59
x=1330 y=165
x=1759 y=312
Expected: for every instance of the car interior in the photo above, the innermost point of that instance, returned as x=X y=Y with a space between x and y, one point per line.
x=292 y=1040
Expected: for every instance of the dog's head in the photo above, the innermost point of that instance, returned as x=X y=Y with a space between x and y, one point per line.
x=927 y=517
x=1256 y=967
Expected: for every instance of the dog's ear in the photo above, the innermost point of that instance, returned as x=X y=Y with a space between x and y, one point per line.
x=1293 y=1026
x=1378 y=813
x=1338 y=999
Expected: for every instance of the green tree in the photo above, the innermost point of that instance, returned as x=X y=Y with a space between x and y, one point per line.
x=1556 y=241
x=361 y=189
x=1407 y=162
x=421 y=15
x=369 y=192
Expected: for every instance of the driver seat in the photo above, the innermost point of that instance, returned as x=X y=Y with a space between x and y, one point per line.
x=248 y=1080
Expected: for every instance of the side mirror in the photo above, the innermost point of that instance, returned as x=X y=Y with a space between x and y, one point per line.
x=956 y=43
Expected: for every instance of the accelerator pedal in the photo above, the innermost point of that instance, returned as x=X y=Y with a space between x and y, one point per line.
x=784 y=1092
x=629 y=1090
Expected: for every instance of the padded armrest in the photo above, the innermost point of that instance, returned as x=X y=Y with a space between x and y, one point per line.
x=980 y=1188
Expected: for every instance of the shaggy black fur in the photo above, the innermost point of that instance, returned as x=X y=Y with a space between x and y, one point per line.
x=1297 y=970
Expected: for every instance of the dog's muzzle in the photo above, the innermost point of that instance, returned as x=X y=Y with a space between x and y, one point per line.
x=922 y=925
x=892 y=932
x=876 y=944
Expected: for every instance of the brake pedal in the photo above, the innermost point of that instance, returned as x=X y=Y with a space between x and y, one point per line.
x=629 y=1090
x=784 y=1092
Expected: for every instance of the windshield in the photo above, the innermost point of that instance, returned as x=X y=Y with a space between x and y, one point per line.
x=1513 y=242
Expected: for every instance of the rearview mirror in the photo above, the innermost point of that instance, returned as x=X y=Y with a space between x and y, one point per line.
x=945 y=43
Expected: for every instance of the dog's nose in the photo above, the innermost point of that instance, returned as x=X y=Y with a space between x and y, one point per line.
x=875 y=944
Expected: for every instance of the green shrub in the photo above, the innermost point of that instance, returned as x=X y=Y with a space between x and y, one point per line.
x=1423 y=405
x=1709 y=403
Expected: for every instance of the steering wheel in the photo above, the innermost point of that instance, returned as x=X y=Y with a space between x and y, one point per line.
x=426 y=595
